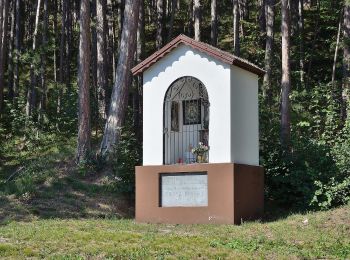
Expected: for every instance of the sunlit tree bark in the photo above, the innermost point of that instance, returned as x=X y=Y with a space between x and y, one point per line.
x=236 y=43
x=32 y=90
x=4 y=10
x=84 y=128
x=101 y=27
x=270 y=18
x=336 y=50
x=119 y=96
x=172 y=18
x=286 y=77
x=301 y=39
x=346 y=62
x=197 y=19
x=214 y=23
x=160 y=24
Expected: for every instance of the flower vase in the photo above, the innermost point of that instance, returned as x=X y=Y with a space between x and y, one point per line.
x=201 y=158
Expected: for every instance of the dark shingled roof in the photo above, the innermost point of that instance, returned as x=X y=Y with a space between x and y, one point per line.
x=224 y=56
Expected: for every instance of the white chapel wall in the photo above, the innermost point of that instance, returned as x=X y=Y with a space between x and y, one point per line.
x=215 y=75
x=245 y=117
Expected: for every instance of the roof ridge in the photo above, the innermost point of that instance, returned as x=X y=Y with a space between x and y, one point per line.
x=231 y=54
x=215 y=52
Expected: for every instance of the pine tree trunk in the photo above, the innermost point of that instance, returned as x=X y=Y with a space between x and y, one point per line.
x=94 y=86
x=43 y=96
x=55 y=34
x=270 y=20
x=116 y=36
x=101 y=56
x=111 y=48
x=84 y=130
x=262 y=16
x=121 y=7
x=160 y=29
x=314 y=40
x=31 y=95
x=286 y=77
x=346 y=62
x=139 y=57
x=2 y=40
x=3 y=47
x=301 y=39
x=10 y=52
x=243 y=15
x=62 y=56
x=236 y=19
x=1 y=20
x=190 y=18
x=119 y=97
x=17 y=48
x=68 y=50
x=94 y=61
x=172 y=19
x=336 y=51
x=214 y=23
x=140 y=51
x=197 y=19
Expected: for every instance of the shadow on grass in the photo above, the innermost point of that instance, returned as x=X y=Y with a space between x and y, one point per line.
x=49 y=186
x=10 y=210
x=274 y=212
x=66 y=198
x=73 y=197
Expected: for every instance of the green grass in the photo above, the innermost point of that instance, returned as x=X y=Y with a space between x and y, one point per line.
x=326 y=235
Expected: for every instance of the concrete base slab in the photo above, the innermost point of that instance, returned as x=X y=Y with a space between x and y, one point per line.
x=235 y=194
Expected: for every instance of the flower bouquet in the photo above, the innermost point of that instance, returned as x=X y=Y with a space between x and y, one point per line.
x=200 y=151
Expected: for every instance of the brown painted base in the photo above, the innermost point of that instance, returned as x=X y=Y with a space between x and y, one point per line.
x=235 y=194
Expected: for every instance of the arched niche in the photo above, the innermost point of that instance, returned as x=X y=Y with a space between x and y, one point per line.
x=185 y=120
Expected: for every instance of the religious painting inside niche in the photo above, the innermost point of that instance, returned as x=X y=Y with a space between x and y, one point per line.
x=191 y=112
x=174 y=116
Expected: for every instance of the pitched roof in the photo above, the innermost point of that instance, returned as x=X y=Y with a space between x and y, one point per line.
x=225 y=57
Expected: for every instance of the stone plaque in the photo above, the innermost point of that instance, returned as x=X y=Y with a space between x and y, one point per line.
x=184 y=190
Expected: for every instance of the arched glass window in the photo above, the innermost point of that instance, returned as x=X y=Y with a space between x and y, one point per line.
x=186 y=121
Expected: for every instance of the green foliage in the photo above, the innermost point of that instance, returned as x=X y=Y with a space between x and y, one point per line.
x=294 y=179
x=341 y=150
x=14 y=119
x=127 y=156
x=66 y=120
x=30 y=162
x=315 y=173
x=92 y=164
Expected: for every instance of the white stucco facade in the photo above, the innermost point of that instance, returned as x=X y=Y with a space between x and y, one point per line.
x=244 y=117
x=233 y=97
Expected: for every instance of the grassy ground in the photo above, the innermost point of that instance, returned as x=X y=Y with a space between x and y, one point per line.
x=53 y=209
x=325 y=235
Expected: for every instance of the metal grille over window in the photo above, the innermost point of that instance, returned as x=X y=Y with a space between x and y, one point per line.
x=186 y=122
